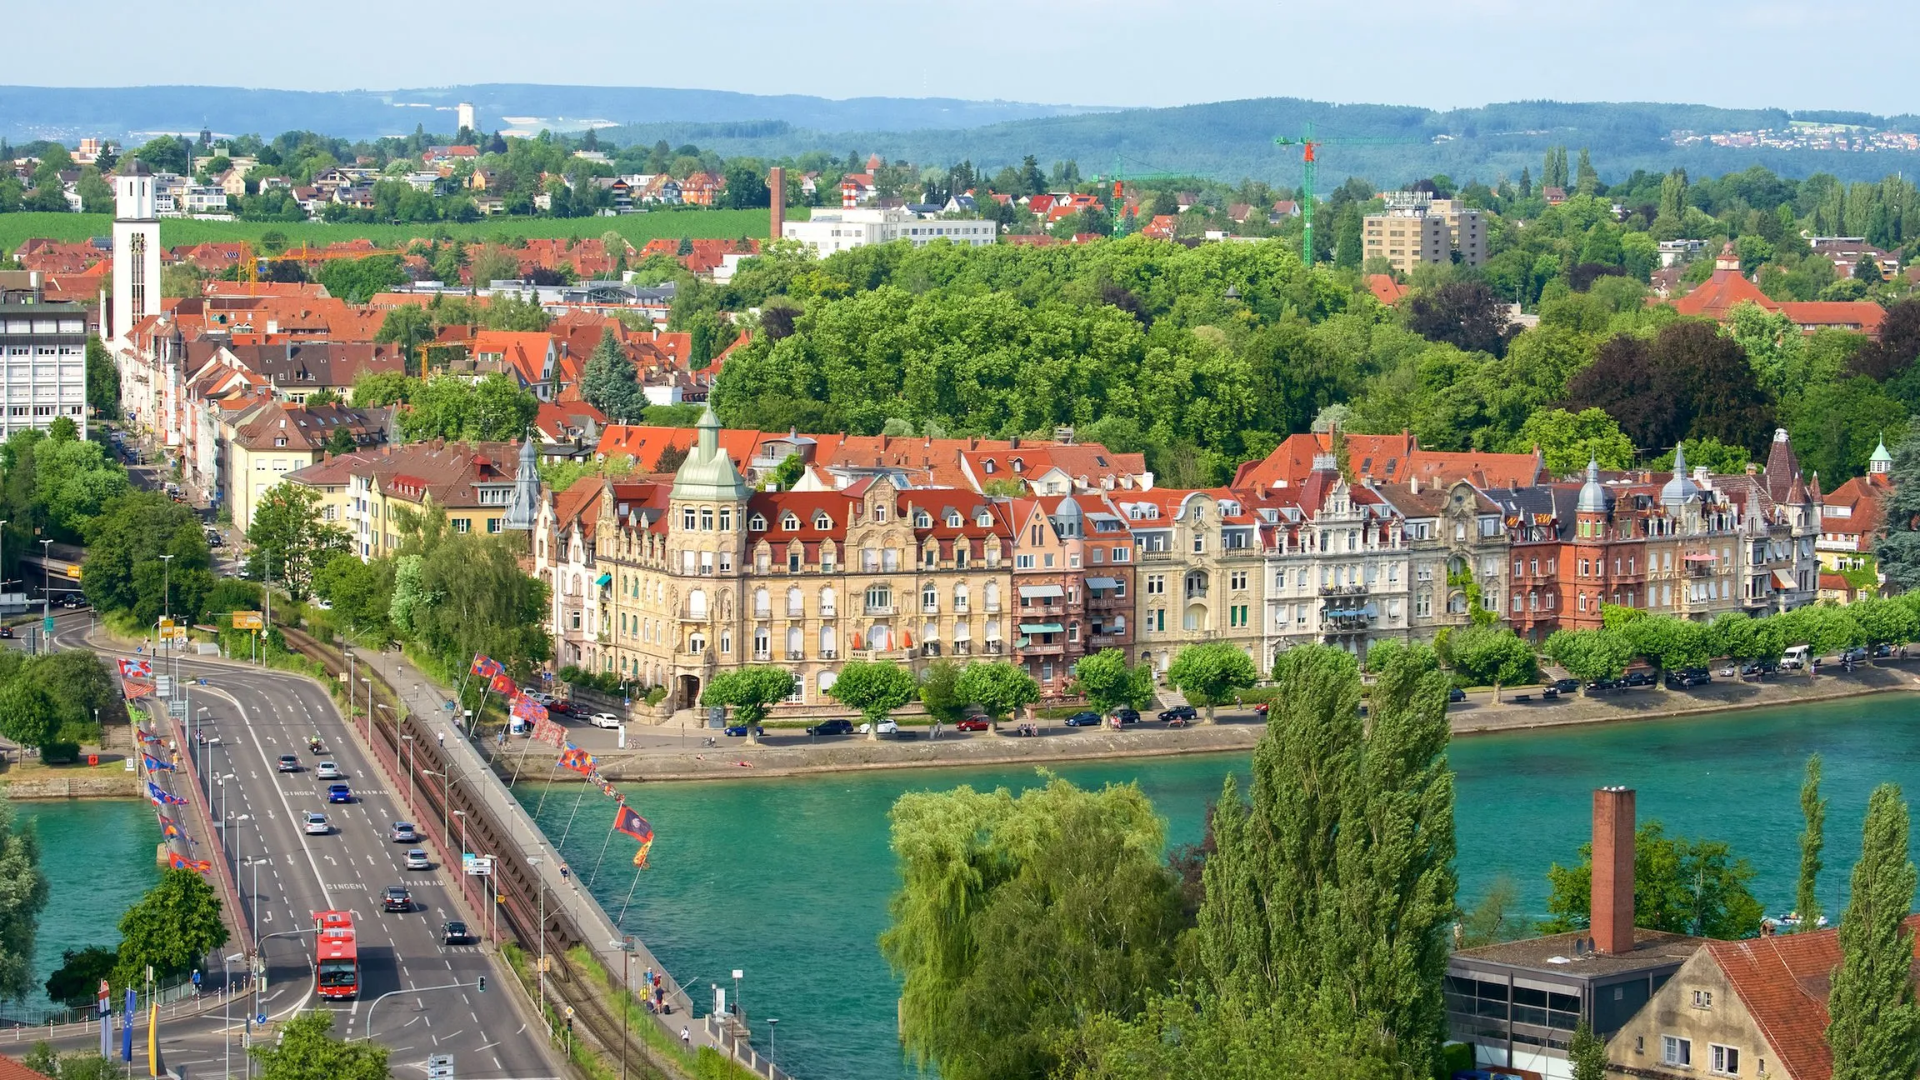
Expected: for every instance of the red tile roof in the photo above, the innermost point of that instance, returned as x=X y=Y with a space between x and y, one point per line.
x=1385 y=289
x=1388 y=459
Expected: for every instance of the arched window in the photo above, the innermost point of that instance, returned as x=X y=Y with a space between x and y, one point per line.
x=827 y=679
x=796 y=642
x=796 y=603
x=960 y=597
x=827 y=602
x=993 y=596
x=762 y=643
x=922 y=519
x=696 y=642
x=757 y=523
x=930 y=597
x=828 y=649
x=879 y=599
x=962 y=553
x=790 y=521
x=822 y=521
x=879 y=637
x=697 y=605
x=762 y=604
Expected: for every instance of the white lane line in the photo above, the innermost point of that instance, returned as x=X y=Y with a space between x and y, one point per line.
x=287 y=806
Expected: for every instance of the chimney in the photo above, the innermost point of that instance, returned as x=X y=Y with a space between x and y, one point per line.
x=1612 y=910
x=777 y=201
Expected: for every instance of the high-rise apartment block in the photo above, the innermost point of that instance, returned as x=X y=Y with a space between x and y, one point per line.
x=1418 y=230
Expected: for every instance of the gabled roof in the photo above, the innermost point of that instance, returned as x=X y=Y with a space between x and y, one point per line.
x=1385 y=289
x=1390 y=459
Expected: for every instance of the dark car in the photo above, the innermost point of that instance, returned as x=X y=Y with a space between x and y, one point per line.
x=455 y=933
x=1127 y=716
x=1084 y=718
x=1566 y=686
x=1881 y=652
x=1601 y=686
x=1180 y=712
x=1687 y=678
x=6 y=631
x=287 y=763
x=836 y=726
x=396 y=898
x=1854 y=656
x=1638 y=678
x=339 y=793
x=973 y=723
x=1455 y=694
x=739 y=731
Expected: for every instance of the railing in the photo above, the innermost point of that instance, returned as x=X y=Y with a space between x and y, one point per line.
x=828 y=611
x=1035 y=648
x=960 y=607
x=929 y=648
x=1196 y=592
x=963 y=648
x=829 y=654
x=992 y=606
x=762 y=655
x=881 y=609
x=930 y=609
x=994 y=648
x=1343 y=590
x=796 y=613
x=796 y=654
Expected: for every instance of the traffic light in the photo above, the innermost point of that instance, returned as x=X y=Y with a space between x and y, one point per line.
x=481 y=985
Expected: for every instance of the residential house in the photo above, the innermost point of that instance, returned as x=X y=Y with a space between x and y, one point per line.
x=277 y=437
x=1853 y=515
x=700 y=189
x=1728 y=288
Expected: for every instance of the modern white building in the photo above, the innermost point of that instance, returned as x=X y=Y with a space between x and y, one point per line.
x=829 y=231
x=45 y=352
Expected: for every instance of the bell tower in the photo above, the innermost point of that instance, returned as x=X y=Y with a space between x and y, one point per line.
x=136 y=249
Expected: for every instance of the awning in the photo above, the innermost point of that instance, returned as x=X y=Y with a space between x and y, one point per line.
x=1784 y=580
x=604 y=580
x=1042 y=628
x=1103 y=583
x=1037 y=591
x=1707 y=557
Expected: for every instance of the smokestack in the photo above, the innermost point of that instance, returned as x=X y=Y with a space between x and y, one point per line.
x=1612 y=910
x=777 y=201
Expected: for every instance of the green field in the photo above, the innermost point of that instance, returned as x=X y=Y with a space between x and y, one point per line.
x=637 y=228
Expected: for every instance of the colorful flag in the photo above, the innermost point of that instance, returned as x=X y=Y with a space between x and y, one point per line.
x=136 y=669
x=162 y=798
x=628 y=821
x=503 y=683
x=528 y=709
x=198 y=866
x=484 y=666
x=576 y=759
x=546 y=731
x=168 y=827
x=154 y=764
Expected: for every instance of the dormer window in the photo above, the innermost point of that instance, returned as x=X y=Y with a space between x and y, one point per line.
x=954 y=520
x=922 y=520
x=984 y=519
x=989 y=467
x=757 y=523
x=790 y=521
x=821 y=521
x=879 y=511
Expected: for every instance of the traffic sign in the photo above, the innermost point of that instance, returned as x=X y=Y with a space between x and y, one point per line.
x=476 y=865
x=163 y=685
x=247 y=620
x=177 y=707
x=440 y=1067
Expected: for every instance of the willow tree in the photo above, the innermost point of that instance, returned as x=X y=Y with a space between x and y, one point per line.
x=1020 y=917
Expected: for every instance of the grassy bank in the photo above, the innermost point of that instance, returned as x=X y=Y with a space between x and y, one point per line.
x=637 y=228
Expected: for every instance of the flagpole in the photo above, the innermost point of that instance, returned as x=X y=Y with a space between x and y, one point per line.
x=543 y=791
x=521 y=760
x=603 y=852
x=617 y=923
x=564 y=833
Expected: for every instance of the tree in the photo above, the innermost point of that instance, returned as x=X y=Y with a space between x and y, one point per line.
x=409 y=326
x=384 y=388
x=361 y=592
x=1587 y=1054
x=357 y=280
x=27 y=714
x=751 y=691
x=172 y=929
x=1874 y=1023
x=123 y=571
x=307 y=1050
x=1018 y=917
x=874 y=688
x=1109 y=682
x=1812 y=840
x=468 y=595
x=23 y=895
x=1680 y=885
x=1567 y=441
x=1208 y=674
x=999 y=688
x=289 y=539
x=341 y=442
x=103 y=380
x=1491 y=921
x=1689 y=381
x=1464 y=314
x=76 y=982
x=1486 y=656
x=1898 y=550
x=940 y=691
x=610 y=384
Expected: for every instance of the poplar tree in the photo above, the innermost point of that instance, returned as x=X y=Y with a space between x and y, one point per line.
x=1874 y=1024
x=1806 y=900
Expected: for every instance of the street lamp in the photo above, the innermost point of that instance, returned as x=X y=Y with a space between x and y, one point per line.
x=226 y=990
x=46 y=589
x=773 y=1026
x=534 y=861
x=224 y=777
x=446 y=784
x=462 y=815
x=369 y=685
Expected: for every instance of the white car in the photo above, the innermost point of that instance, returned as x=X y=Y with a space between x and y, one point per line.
x=887 y=727
x=326 y=770
x=604 y=719
x=317 y=825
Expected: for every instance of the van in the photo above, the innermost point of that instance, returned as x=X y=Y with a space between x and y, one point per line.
x=1796 y=657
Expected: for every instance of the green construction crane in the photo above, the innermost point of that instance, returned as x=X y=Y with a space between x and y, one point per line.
x=1118 y=183
x=1308 y=145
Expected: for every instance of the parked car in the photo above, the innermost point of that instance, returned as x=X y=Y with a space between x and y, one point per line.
x=1549 y=693
x=402 y=832
x=1854 y=656
x=1126 y=715
x=1881 y=652
x=887 y=727
x=455 y=933
x=1455 y=694
x=6 y=631
x=739 y=731
x=1638 y=678
x=71 y=601
x=839 y=725
x=339 y=793
x=973 y=723
x=1600 y=686
x=416 y=859
x=1179 y=712
x=214 y=539
x=317 y=824
x=396 y=898
x=1262 y=708
x=327 y=770
x=604 y=719
x=1687 y=678
x=560 y=706
x=287 y=763
x=1084 y=718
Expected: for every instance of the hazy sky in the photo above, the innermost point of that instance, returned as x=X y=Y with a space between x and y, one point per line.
x=1439 y=54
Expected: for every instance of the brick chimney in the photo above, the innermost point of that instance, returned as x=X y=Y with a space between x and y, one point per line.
x=777 y=202
x=1612 y=910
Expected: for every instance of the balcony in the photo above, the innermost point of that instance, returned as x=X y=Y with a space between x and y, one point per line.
x=796 y=654
x=1196 y=592
x=829 y=654
x=991 y=606
x=960 y=607
x=828 y=611
x=1103 y=641
x=763 y=613
x=929 y=648
x=881 y=609
x=994 y=648
x=1343 y=590
x=761 y=656
x=930 y=609
x=963 y=648
x=1028 y=647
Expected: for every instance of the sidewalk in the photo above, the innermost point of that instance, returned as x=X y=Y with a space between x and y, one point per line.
x=427 y=702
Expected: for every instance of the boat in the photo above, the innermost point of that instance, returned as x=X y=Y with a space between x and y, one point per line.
x=1790 y=922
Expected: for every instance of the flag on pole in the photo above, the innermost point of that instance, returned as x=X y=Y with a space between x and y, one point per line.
x=181 y=862
x=502 y=683
x=163 y=798
x=154 y=1066
x=484 y=666
x=168 y=828
x=136 y=669
x=576 y=759
x=126 y=1028
x=154 y=764
x=628 y=821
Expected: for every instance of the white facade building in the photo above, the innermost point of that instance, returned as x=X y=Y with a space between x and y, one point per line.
x=829 y=231
x=136 y=250
x=44 y=348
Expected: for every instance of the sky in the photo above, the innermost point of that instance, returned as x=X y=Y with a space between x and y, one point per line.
x=1737 y=53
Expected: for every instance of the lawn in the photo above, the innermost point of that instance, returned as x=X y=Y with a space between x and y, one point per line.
x=637 y=228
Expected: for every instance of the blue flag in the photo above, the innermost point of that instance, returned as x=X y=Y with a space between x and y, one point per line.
x=126 y=1029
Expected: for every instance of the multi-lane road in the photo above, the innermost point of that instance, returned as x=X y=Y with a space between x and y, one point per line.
x=250 y=718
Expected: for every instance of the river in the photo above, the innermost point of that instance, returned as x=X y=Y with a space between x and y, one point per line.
x=788 y=879
x=98 y=857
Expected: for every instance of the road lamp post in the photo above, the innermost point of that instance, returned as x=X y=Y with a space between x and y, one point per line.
x=224 y=777
x=226 y=988
x=773 y=1025
x=446 y=785
x=46 y=593
x=535 y=861
x=213 y=742
x=368 y=683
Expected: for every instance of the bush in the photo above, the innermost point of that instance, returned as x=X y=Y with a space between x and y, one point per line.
x=60 y=753
x=656 y=695
x=605 y=681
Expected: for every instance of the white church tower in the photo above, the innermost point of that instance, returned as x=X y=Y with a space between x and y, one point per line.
x=136 y=249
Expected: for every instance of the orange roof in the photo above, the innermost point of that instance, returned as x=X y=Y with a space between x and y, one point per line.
x=1862 y=315
x=525 y=352
x=13 y=1070
x=1389 y=459
x=1385 y=289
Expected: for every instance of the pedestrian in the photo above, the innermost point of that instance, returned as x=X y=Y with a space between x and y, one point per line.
x=564 y=872
x=686 y=1037
x=442 y=736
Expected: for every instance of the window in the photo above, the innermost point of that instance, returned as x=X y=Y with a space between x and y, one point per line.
x=461 y=525
x=1156 y=584
x=1723 y=1060
x=1023 y=562
x=1703 y=999
x=879 y=511
x=1423 y=604
x=757 y=523
x=962 y=551
x=493 y=525
x=706 y=519
x=688 y=518
x=789 y=521
x=1122 y=554
x=793 y=562
x=1237 y=580
x=1675 y=1051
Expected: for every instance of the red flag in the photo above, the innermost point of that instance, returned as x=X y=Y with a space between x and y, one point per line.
x=576 y=759
x=503 y=683
x=484 y=666
x=628 y=821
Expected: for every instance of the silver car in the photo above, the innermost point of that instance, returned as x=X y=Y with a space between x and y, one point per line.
x=317 y=825
x=416 y=859
x=327 y=770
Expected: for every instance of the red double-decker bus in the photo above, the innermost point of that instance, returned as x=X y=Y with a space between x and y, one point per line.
x=338 y=954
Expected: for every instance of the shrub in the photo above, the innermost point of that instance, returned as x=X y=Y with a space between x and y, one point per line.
x=60 y=753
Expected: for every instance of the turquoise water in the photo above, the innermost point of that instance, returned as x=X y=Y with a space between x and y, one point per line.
x=789 y=879
x=98 y=857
